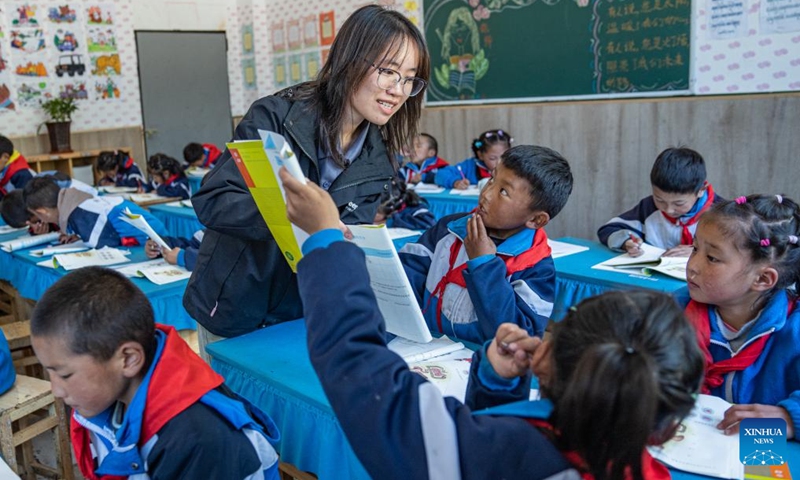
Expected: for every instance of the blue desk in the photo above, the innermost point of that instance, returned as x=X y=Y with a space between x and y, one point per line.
x=180 y=221
x=19 y=268
x=576 y=280
x=194 y=183
x=445 y=203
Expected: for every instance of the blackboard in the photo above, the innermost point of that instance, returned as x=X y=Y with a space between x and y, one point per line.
x=513 y=50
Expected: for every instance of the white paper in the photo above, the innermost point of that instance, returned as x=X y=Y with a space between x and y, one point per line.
x=197 y=172
x=78 y=246
x=651 y=255
x=427 y=188
x=395 y=233
x=48 y=263
x=138 y=221
x=779 y=16
x=90 y=258
x=164 y=274
x=699 y=447
x=144 y=197
x=416 y=352
x=396 y=299
x=132 y=270
x=562 y=249
x=471 y=191
x=187 y=203
x=174 y=204
x=28 y=241
x=116 y=189
x=727 y=19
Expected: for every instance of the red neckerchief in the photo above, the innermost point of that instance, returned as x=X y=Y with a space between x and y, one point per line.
x=652 y=469
x=483 y=172
x=179 y=380
x=698 y=316
x=530 y=257
x=211 y=153
x=686 y=235
x=439 y=163
x=16 y=163
x=129 y=242
x=128 y=163
x=171 y=179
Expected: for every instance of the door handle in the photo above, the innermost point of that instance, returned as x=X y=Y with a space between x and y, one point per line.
x=149 y=132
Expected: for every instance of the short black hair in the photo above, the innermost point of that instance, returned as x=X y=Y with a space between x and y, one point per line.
x=109 y=160
x=161 y=162
x=432 y=143
x=546 y=171
x=41 y=192
x=679 y=170
x=95 y=310
x=13 y=210
x=6 y=146
x=193 y=152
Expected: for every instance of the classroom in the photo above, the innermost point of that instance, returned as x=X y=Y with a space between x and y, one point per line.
x=544 y=167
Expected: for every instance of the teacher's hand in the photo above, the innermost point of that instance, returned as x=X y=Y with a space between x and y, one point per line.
x=307 y=205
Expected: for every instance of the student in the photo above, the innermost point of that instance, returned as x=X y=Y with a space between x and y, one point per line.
x=182 y=251
x=143 y=404
x=424 y=162
x=668 y=218
x=7 y=373
x=166 y=177
x=14 y=169
x=201 y=156
x=742 y=276
x=16 y=215
x=618 y=374
x=487 y=148
x=95 y=220
x=118 y=168
x=345 y=127
x=473 y=271
x=403 y=208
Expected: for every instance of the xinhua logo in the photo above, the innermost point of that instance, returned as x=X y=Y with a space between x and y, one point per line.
x=762 y=441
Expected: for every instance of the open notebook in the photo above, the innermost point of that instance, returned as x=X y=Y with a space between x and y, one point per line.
x=650 y=261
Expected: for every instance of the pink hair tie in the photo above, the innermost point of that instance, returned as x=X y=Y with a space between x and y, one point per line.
x=765 y=242
x=793 y=239
x=741 y=200
x=780 y=198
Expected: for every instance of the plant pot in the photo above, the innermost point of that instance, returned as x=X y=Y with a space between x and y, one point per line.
x=59 y=137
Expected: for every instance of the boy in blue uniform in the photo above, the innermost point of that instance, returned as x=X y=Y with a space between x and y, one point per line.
x=144 y=405
x=182 y=251
x=118 y=169
x=668 y=218
x=14 y=169
x=473 y=271
x=95 y=220
x=15 y=213
x=425 y=161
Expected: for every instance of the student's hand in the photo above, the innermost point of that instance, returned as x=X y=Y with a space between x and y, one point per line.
x=542 y=362
x=39 y=227
x=64 y=238
x=345 y=230
x=478 y=242
x=632 y=246
x=171 y=255
x=151 y=249
x=461 y=184
x=416 y=178
x=140 y=189
x=511 y=351
x=309 y=206
x=737 y=413
x=679 y=251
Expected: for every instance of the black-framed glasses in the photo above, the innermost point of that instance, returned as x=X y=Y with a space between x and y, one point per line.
x=388 y=78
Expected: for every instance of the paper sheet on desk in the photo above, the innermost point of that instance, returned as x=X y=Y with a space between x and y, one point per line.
x=471 y=191
x=562 y=249
x=143 y=197
x=90 y=258
x=427 y=188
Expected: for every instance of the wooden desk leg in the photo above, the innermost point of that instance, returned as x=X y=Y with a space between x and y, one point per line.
x=63 y=453
x=8 y=450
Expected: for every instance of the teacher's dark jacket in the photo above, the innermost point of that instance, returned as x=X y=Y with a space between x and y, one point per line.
x=241 y=281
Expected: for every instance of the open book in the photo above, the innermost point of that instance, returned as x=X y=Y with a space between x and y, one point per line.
x=113 y=189
x=417 y=352
x=28 y=241
x=90 y=258
x=650 y=261
x=138 y=221
x=449 y=373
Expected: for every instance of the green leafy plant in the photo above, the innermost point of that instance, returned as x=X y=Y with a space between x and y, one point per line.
x=60 y=109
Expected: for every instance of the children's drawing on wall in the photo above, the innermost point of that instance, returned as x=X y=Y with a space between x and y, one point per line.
x=76 y=90
x=100 y=14
x=101 y=40
x=310 y=38
x=6 y=103
x=312 y=65
x=62 y=14
x=106 y=65
x=106 y=89
x=247 y=39
x=70 y=64
x=27 y=41
x=249 y=73
x=65 y=40
x=278 y=37
x=279 y=74
x=24 y=15
x=464 y=60
x=327 y=28
x=294 y=34
x=31 y=69
x=29 y=94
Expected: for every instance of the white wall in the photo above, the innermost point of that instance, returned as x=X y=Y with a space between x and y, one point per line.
x=179 y=15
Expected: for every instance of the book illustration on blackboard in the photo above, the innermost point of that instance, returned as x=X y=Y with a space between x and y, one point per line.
x=464 y=60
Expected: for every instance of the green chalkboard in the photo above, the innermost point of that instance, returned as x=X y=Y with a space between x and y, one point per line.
x=509 y=50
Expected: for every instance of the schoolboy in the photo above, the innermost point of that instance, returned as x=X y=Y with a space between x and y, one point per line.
x=143 y=403
x=117 y=168
x=95 y=220
x=425 y=161
x=201 y=156
x=14 y=169
x=472 y=272
x=668 y=218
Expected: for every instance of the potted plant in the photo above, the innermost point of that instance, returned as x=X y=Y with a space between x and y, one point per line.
x=59 y=111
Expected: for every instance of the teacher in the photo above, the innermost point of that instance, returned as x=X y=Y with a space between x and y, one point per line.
x=345 y=128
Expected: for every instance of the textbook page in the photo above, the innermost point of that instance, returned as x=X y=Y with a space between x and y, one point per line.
x=450 y=373
x=78 y=246
x=28 y=241
x=162 y=274
x=562 y=249
x=132 y=270
x=259 y=162
x=699 y=447
x=90 y=258
x=651 y=256
x=416 y=352
x=675 y=267
x=139 y=222
x=396 y=299
x=144 y=197
x=113 y=189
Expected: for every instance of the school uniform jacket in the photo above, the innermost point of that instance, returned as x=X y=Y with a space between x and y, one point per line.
x=14 y=174
x=187 y=257
x=646 y=221
x=774 y=377
x=174 y=186
x=129 y=175
x=181 y=423
x=241 y=281
x=427 y=170
x=472 y=169
x=414 y=218
x=210 y=155
x=97 y=222
x=493 y=294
